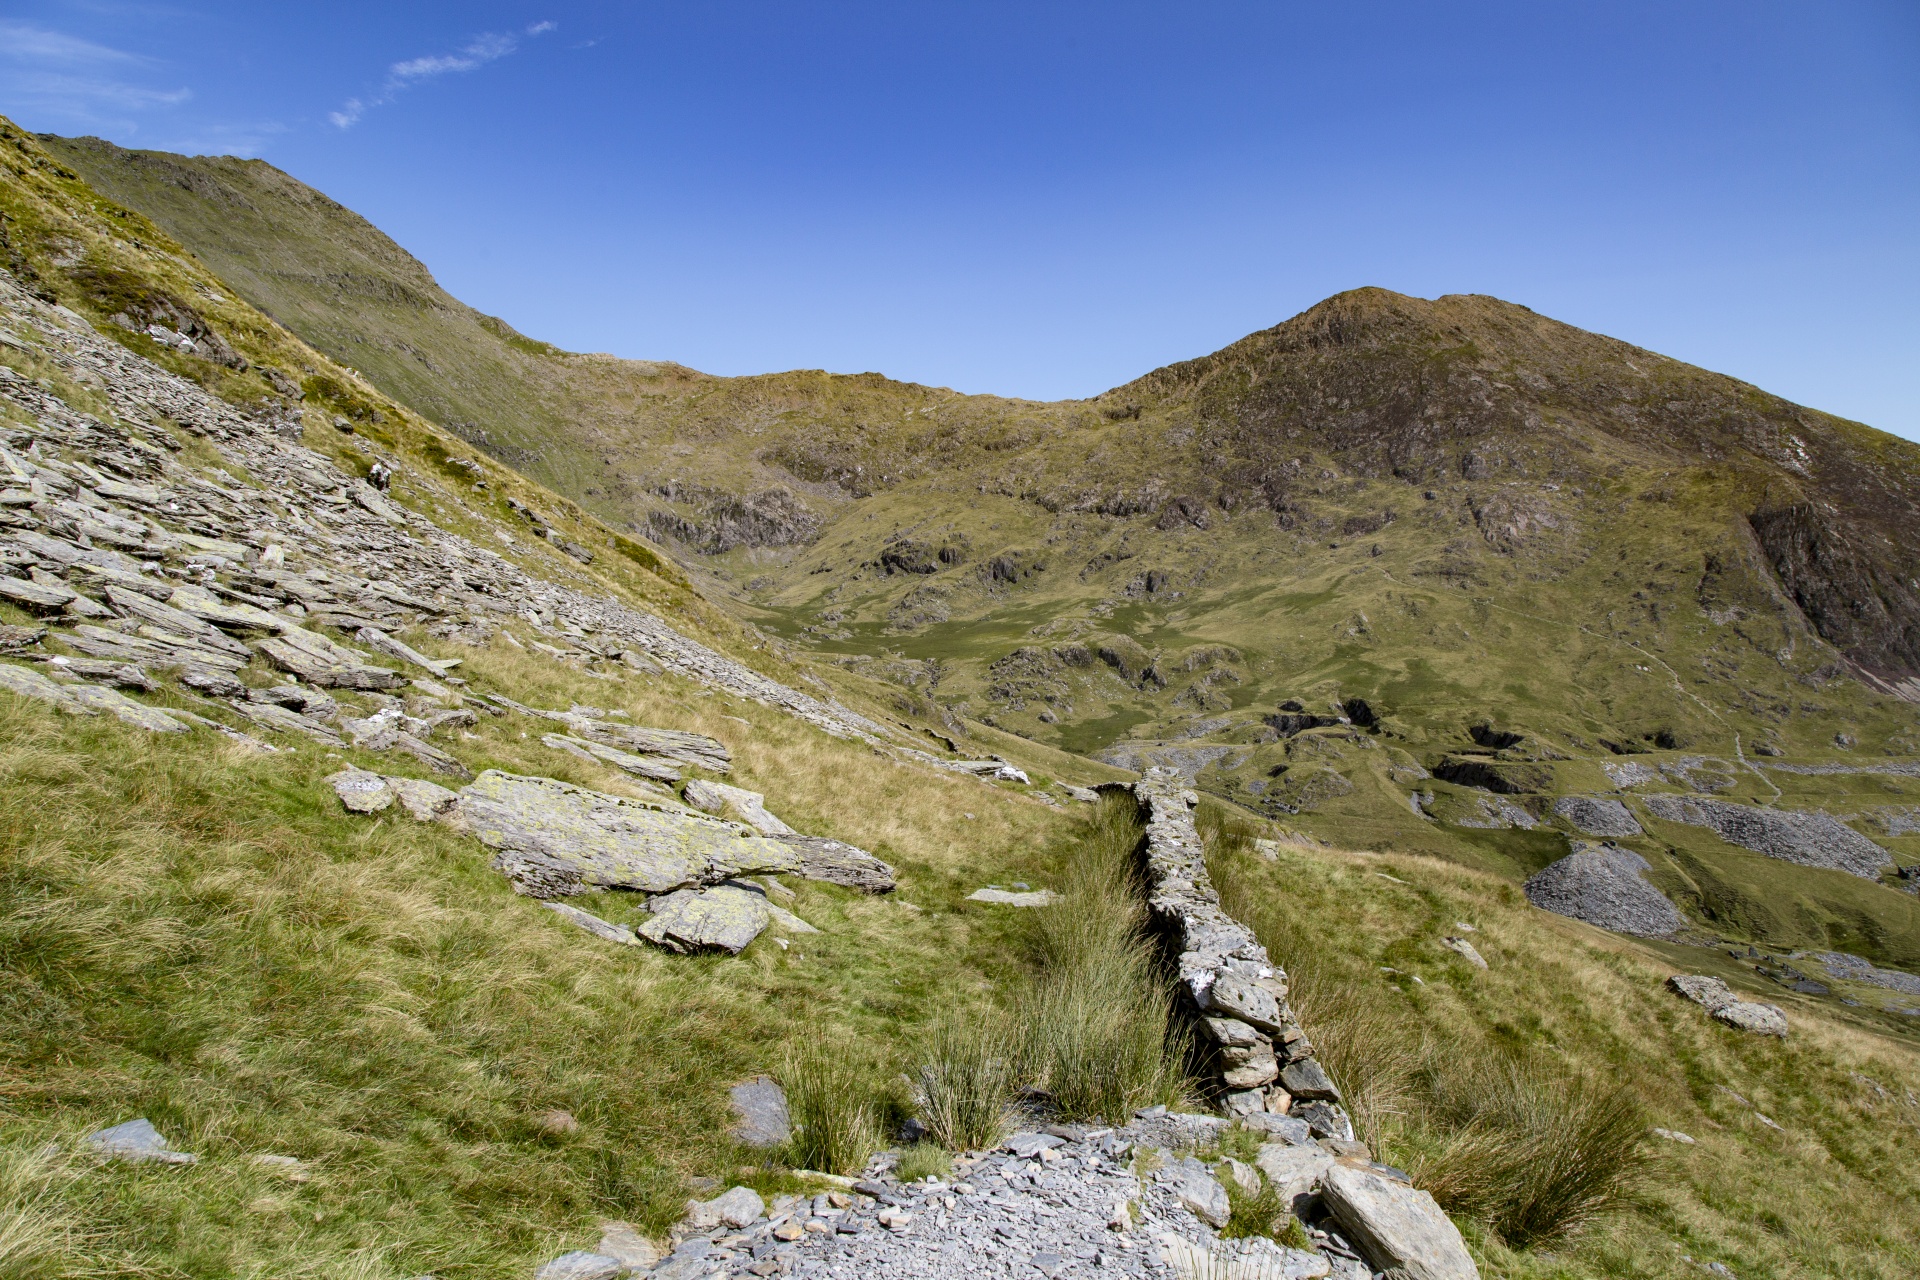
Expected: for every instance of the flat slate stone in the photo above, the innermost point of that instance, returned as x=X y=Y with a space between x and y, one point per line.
x=582 y=1265
x=1008 y=898
x=593 y=924
x=136 y=1140
x=761 y=1107
x=553 y=839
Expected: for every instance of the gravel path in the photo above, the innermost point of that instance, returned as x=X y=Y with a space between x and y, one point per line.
x=1058 y=1202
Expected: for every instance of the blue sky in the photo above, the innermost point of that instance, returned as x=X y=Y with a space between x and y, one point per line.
x=1047 y=199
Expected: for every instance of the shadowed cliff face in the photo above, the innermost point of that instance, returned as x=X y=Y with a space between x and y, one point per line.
x=1855 y=598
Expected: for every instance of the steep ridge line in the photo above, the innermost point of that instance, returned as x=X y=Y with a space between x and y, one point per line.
x=383 y=539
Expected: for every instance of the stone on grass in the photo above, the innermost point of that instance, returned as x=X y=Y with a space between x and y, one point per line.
x=361 y=791
x=1395 y=1226
x=581 y=1265
x=289 y=1167
x=1718 y=999
x=425 y=801
x=606 y=929
x=1010 y=898
x=724 y=918
x=1198 y=1190
x=553 y=839
x=837 y=862
x=136 y=1140
x=761 y=1107
x=1465 y=950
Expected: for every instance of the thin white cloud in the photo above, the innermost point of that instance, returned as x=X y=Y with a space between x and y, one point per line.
x=74 y=82
x=24 y=42
x=476 y=53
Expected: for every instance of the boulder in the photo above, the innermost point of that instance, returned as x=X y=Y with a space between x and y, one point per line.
x=1395 y=1226
x=724 y=918
x=1597 y=815
x=320 y=661
x=1295 y=1172
x=1603 y=885
x=622 y=1241
x=734 y=1207
x=553 y=839
x=1198 y=1191
x=136 y=1140
x=748 y=806
x=761 y=1107
x=360 y=791
x=1308 y=1081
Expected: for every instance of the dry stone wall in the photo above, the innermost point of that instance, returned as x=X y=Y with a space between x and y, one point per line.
x=1257 y=1059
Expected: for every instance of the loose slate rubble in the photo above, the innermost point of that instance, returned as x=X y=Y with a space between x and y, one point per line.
x=1603 y=885
x=1236 y=993
x=1810 y=839
x=1719 y=1000
x=1066 y=1201
x=1597 y=815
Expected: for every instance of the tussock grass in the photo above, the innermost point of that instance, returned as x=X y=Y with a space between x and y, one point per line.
x=1095 y=1023
x=966 y=1081
x=37 y=1238
x=832 y=1102
x=924 y=1160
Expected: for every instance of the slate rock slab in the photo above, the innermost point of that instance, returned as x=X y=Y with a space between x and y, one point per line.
x=553 y=839
x=751 y=806
x=837 y=862
x=320 y=661
x=136 y=1140
x=1603 y=885
x=623 y=1241
x=1395 y=1226
x=582 y=1265
x=1295 y=1172
x=723 y=918
x=1011 y=898
x=606 y=929
x=761 y=1107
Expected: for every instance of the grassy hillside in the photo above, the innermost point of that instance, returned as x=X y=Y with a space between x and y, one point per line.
x=199 y=934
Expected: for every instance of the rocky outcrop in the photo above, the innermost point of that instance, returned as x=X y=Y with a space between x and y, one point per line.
x=1235 y=993
x=1847 y=584
x=1603 y=885
x=553 y=839
x=1718 y=999
x=1810 y=839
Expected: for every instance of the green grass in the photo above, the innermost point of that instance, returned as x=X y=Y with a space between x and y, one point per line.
x=1523 y=1095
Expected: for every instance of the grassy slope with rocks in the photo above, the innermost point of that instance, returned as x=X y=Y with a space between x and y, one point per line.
x=205 y=937
x=1458 y=511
